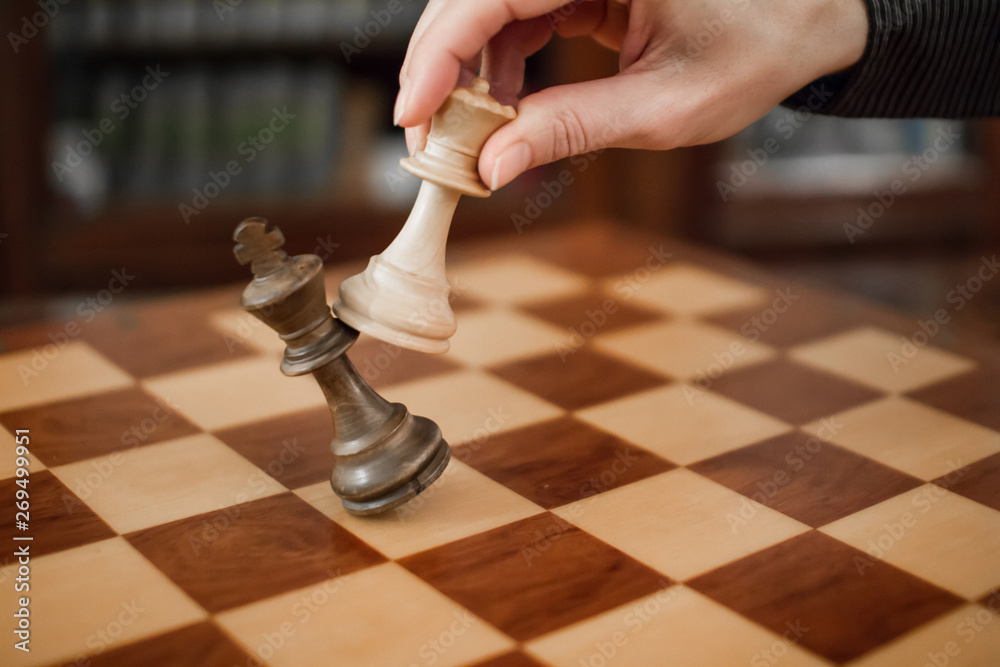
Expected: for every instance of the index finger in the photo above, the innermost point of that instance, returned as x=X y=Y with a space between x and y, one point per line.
x=456 y=34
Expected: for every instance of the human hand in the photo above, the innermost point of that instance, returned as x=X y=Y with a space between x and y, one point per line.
x=690 y=72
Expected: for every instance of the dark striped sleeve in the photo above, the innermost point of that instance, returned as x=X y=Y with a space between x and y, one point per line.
x=924 y=59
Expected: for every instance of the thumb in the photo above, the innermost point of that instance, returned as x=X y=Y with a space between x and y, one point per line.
x=561 y=121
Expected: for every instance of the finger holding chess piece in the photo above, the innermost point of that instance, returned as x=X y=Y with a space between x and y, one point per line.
x=383 y=455
x=402 y=297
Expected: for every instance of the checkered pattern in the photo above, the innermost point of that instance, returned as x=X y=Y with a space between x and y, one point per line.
x=657 y=461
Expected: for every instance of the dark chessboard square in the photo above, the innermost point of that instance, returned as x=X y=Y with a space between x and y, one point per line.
x=382 y=364
x=992 y=601
x=806 y=319
x=808 y=479
x=847 y=603
x=58 y=519
x=97 y=425
x=535 y=575
x=181 y=338
x=31 y=335
x=294 y=448
x=248 y=552
x=560 y=461
x=590 y=313
x=971 y=396
x=979 y=481
x=460 y=301
x=578 y=378
x=512 y=659
x=790 y=391
x=201 y=644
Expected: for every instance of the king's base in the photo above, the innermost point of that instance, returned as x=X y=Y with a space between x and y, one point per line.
x=407 y=491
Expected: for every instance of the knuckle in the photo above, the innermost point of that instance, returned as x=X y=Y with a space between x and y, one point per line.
x=569 y=134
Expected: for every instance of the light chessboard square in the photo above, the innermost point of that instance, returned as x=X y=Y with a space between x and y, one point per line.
x=171 y=480
x=381 y=615
x=683 y=349
x=461 y=502
x=95 y=597
x=683 y=424
x=680 y=523
x=471 y=405
x=684 y=289
x=49 y=373
x=966 y=637
x=514 y=279
x=909 y=436
x=8 y=450
x=490 y=336
x=238 y=327
x=937 y=535
x=237 y=392
x=675 y=626
x=880 y=359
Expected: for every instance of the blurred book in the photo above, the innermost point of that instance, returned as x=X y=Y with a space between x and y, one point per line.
x=275 y=128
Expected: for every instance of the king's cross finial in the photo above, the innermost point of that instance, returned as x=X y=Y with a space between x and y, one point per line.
x=257 y=244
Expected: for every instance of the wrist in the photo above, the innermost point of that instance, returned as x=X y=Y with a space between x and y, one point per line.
x=838 y=35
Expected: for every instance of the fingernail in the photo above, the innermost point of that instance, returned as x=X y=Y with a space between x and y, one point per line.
x=419 y=138
x=400 y=107
x=514 y=160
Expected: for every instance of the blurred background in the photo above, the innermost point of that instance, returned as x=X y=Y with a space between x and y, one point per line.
x=138 y=133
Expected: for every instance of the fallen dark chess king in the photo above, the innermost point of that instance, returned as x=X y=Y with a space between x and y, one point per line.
x=383 y=455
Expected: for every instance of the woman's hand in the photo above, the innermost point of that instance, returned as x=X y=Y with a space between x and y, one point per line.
x=691 y=71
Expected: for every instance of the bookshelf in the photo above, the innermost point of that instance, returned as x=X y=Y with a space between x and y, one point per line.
x=305 y=88
x=145 y=130
x=790 y=181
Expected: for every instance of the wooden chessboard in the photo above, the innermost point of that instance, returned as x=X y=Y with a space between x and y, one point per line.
x=661 y=457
